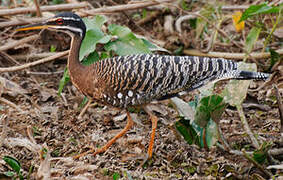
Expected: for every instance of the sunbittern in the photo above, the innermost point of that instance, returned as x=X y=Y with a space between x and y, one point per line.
x=136 y=80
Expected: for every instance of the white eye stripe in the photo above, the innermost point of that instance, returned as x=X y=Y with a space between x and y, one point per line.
x=73 y=29
x=64 y=18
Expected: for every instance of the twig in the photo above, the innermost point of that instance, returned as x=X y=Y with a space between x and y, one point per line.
x=126 y=7
x=148 y=18
x=247 y=127
x=41 y=61
x=38 y=10
x=19 y=42
x=9 y=103
x=57 y=7
x=255 y=55
x=280 y=107
x=4 y=128
x=65 y=7
x=276 y=152
x=231 y=151
x=45 y=73
x=179 y=21
x=20 y=21
x=85 y=108
x=8 y=57
x=267 y=173
x=34 y=56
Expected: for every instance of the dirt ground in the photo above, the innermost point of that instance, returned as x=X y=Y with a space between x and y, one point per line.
x=34 y=117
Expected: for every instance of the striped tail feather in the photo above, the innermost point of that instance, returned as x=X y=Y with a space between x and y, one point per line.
x=253 y=75
x=245 y=75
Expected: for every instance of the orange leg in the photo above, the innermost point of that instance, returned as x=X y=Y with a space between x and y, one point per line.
x=154 y=120
x=113 y=140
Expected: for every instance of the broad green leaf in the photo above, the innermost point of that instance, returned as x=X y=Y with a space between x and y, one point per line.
x=187 y=131
x=258 y=9
x=13 y=163
x=209 y=108
x=64 y=80
x=127 y=43
x=235 y=92
x=92 y=37
x=95 y=22
x=252 y=38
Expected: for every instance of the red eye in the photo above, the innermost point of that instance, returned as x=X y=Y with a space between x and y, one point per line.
x=59 y=21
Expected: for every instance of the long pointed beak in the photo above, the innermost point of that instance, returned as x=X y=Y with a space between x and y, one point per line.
x=34 y=26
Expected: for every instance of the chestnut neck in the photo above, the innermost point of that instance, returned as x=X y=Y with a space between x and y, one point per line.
x=77 y=71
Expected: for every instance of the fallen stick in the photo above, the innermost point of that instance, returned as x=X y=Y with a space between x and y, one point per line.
x=126 y=7
x=33 y=56
x=19 y=42
x=103 y=10
x=41 y=61
x=255 y=55
x=57 y=7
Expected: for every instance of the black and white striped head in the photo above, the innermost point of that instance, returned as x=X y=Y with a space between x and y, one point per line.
x=66 y=22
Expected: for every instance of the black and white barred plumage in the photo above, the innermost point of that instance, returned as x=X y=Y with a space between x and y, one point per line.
x=138 y=79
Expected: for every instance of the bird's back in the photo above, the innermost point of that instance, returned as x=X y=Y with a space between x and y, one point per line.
x=138 y=79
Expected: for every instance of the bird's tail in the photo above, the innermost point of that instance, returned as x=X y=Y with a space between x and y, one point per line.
x=245 y=75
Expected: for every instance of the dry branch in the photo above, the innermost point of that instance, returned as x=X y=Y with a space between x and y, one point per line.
x=255 y=55
x=33 y=56
x=19 y=42
x=126 y=7
x=280 y=107
x=58 y=7
x=41 y=61
x=247 y=127
x=103 y=10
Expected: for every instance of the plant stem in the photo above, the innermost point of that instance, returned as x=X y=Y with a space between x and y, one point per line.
x=246 y=126
x=272 y=30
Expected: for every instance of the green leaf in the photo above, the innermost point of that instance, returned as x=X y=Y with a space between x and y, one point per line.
x=187 y=131
x=92 y=37
x=252 y=38
x=261 y=155
x=9 y=173
x=91 y=58
x=209 y=107
x=235 y=91
x=95 y=22
x=64 y=80
x=52 y=48
x=153 y=47
x=127 y=43
x=258 y=9
x=83 y=103
x=13 y=163
x=274 y=58
x=116 y=176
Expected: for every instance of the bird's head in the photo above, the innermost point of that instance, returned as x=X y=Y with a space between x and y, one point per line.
x=67 y=22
